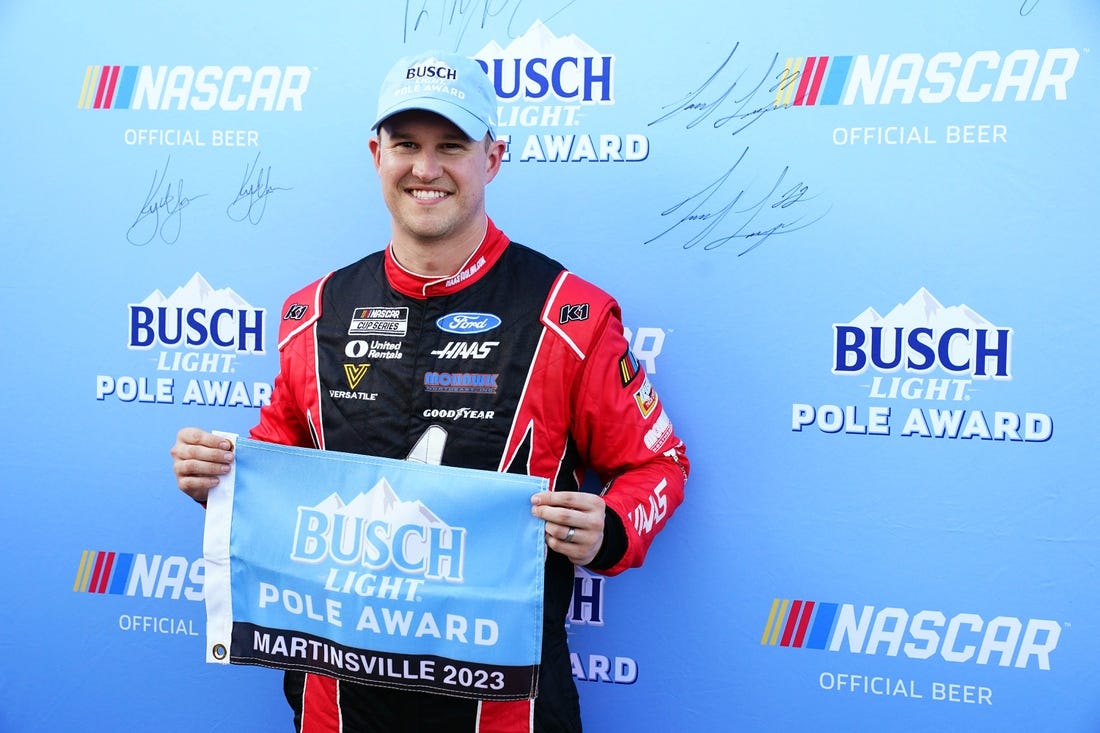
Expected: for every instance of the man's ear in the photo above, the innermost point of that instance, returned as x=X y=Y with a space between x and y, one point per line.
x=375 y=151
x=494 y=157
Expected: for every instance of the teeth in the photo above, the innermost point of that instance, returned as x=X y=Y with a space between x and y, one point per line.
x=428 y=194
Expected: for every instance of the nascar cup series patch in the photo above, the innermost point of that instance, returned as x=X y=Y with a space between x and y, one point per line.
x=383 y=572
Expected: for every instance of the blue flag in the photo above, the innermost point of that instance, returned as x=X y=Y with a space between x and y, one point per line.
x=384 y=572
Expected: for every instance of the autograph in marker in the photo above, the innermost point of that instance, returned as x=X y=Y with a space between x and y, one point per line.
x=730 y=98
x=161 y=214
x=725 y=211
x=457 y=16
x=251 y=201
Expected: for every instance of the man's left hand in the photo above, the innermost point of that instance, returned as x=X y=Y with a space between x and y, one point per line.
x=574 y=523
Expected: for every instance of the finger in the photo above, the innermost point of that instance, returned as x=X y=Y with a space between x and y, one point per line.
x=188 y=484
x=580 y=550
x=195 y=467
x=562 y=518
x=197 y=487
x=583 y=510
x=568 y=499
x=193 y=452
x=558 y=539
x=198 y=436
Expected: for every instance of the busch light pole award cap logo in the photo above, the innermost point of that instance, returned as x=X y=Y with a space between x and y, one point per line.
x=449 y=85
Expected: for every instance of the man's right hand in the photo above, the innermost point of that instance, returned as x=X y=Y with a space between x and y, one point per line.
x=198 y=459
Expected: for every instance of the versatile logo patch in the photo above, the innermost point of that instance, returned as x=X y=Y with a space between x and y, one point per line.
x=355 y=373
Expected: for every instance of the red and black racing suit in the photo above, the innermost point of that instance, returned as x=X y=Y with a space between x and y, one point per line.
x=526 y=368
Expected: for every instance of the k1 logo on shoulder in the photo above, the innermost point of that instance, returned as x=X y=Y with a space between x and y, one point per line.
x=376 y=571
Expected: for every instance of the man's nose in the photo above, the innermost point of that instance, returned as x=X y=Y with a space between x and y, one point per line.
x=427 y=167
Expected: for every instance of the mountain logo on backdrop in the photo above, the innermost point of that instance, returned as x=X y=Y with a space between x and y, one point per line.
x=922 y=336
x=931 y=356
x=196 y=316
x=197 y=330
x=547 y=81
x=539 y=65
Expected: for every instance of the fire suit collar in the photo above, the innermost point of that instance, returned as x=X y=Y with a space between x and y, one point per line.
x=473 y=269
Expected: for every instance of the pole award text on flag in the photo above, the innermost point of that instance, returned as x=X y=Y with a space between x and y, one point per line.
x=378 y=571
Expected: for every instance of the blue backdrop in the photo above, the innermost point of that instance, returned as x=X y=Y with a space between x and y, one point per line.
x=854 y=245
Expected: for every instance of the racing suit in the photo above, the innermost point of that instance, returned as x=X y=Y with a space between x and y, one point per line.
x=520 y=366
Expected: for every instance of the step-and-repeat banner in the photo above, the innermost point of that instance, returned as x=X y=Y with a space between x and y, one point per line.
x=855 y=248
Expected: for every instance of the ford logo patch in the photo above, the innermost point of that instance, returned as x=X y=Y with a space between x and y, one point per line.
x=468 y=322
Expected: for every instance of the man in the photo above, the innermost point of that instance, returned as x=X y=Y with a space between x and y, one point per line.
x=454 y=330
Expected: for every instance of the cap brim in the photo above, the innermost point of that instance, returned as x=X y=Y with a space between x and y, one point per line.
x=474 y=128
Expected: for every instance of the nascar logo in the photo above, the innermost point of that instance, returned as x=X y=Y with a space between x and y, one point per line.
x=137 y=574
x=380 y=320
x=964 y=637
x=1021 y=75
x=267 y=88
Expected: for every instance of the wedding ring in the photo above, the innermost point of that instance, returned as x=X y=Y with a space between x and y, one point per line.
x=569 y=534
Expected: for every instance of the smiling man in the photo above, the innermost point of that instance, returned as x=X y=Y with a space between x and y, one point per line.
x=455 y=345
